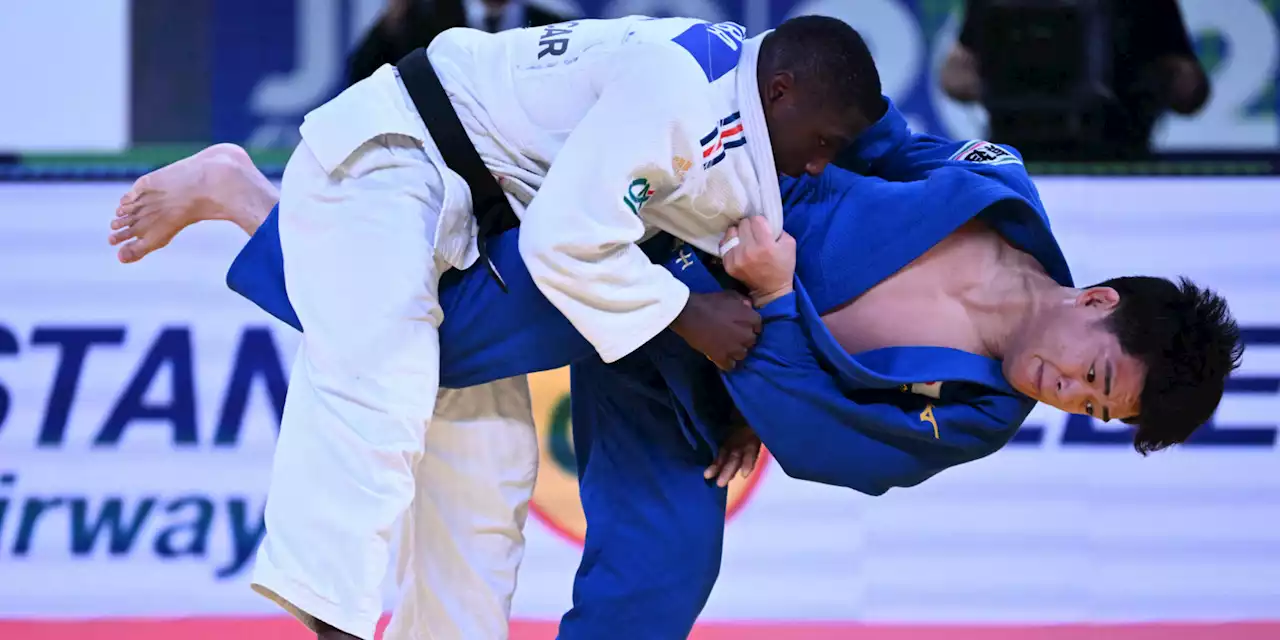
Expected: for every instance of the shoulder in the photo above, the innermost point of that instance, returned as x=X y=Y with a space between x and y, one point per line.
x=984 y=152
x=666 y=60
x=663 y=76
x=997 y=162
x=712 y=51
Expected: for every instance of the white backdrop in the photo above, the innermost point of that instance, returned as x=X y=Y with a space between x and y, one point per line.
x=137 y=421
x=65 y=76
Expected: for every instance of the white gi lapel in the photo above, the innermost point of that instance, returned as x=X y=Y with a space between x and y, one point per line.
x=757 y=133
x=928 y=389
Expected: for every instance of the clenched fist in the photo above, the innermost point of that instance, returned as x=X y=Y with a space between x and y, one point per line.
x=721 y=325
x=752 y=256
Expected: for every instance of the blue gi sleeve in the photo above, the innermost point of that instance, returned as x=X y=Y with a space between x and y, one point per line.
x=819 y=430
x=890 y=150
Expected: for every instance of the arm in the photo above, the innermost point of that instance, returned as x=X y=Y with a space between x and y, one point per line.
x=960 y=79
x=868 y=440
x=890 y=150
x=1183 y=84
x=818 y=431
x=578 y=235
x=403 y=26
x=960 y=76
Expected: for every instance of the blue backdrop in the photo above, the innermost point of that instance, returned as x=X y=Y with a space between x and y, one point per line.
x=273 y=61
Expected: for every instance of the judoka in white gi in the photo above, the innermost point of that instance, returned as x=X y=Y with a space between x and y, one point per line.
x=620 y=128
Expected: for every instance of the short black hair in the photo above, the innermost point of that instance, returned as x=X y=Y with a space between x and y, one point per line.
x=1189 y=343
x=829 y=59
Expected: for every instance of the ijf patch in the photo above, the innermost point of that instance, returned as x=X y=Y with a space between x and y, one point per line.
x=983 y=152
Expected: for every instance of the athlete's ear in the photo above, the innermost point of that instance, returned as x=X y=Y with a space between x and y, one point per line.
x=780 y=84
x=1102 y=298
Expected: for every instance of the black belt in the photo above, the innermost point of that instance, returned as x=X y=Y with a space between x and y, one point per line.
x=489 y=204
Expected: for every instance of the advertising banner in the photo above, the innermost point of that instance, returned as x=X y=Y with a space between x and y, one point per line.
x=139 y=406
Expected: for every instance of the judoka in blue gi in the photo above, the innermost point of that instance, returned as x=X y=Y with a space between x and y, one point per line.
x=931 y=308
x=911 y=253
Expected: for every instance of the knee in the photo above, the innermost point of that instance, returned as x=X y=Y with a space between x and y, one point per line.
x=699 y=565
x=670 y=574
x=657 y=592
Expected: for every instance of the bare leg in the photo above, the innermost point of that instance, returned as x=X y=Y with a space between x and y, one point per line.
x=219 y=183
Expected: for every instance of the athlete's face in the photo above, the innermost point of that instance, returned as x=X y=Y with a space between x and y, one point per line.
x=805 y=133
x=1070 y=360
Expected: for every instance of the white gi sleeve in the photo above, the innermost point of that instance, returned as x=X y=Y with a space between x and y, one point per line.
x=629 y=152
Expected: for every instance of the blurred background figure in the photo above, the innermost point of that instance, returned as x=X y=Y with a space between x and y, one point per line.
x=408 y=24
x=1075 y=79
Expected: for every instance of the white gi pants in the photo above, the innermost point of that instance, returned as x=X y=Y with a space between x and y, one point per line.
x=359 y=451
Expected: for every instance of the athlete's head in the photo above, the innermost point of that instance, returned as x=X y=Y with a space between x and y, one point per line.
x=820 y=89
x=1148 y=351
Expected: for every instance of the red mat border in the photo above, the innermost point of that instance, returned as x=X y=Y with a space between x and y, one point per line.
x=282 y=628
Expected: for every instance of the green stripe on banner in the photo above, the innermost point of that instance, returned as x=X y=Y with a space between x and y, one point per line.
x=149 y=155
x=139 y=160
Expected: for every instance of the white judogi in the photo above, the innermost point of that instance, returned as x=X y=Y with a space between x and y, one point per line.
x=621 y=128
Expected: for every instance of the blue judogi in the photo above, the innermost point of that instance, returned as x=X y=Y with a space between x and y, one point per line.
x=487 y=335
x=646 y=426
x=850 y=421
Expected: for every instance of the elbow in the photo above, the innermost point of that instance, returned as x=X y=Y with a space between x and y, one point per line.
x=1193 y=100
x=960 y=88
x=794 y=463
x=803 y=468
x=1186 y=85
x=959 y=77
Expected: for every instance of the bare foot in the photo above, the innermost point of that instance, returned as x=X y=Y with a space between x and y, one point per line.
x=218 y=183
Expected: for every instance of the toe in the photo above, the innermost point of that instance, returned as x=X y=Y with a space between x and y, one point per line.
x=133 y=251
x=136 y=191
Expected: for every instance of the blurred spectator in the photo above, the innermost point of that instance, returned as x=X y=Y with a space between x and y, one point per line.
x=1081 y=80
x=408 y=24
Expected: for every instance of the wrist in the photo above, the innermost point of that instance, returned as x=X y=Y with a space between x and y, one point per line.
x=677 y=324
x=762 y=298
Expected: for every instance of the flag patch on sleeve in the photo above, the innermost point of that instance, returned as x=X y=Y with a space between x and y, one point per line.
x=983 y=152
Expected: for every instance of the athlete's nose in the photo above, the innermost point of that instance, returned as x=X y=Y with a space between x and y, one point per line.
x=1069 y=391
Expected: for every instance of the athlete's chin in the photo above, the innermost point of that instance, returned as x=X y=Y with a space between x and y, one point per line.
x=1021 y=375
x=786 y=168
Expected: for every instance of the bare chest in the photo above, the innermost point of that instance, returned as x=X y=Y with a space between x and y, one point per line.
x=923 y=304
